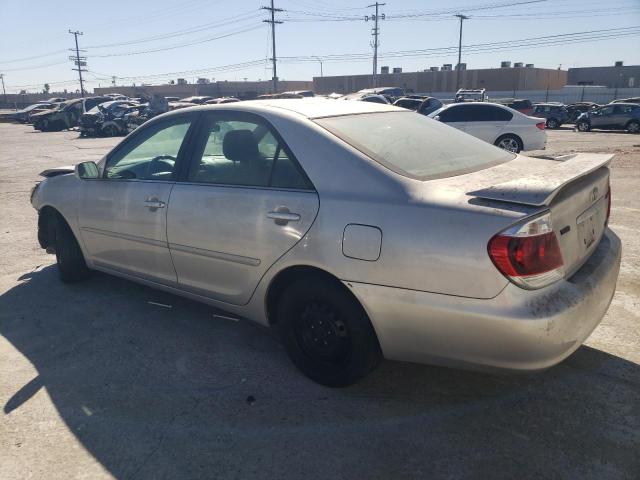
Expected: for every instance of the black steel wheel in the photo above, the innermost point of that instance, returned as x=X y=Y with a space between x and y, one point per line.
x=326 y=332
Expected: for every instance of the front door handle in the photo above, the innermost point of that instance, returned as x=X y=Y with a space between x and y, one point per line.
x=153 y=203
x=282 y=216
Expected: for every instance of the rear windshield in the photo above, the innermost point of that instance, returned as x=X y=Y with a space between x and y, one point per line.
x=413 y=145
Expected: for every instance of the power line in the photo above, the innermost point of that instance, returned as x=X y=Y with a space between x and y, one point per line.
x=273 y=23
x=199 y=28
x=181 y=45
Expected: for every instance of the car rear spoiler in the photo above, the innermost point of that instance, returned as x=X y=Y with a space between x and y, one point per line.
x=544 y=177
x=54 y=172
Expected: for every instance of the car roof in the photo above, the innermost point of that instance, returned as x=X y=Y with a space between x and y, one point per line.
x=307 y=107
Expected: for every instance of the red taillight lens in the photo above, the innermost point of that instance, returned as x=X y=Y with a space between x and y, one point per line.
x=540 y=125
x=528 y=254
x=608 y=197
x=523 y=256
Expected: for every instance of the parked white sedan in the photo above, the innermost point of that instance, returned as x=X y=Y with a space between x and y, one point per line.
x=499 y=125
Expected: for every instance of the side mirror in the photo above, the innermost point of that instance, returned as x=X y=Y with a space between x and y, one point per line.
x=437 y=117
x=87 y=171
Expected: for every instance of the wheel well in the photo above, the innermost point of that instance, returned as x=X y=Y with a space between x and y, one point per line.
x=47 y=218
x=633 y=120
x=290 y=275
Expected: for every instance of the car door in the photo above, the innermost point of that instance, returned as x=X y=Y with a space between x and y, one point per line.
x=242 y=204
x=620 y=116
x=123 y=214
x=601 y=118
x=485 y=122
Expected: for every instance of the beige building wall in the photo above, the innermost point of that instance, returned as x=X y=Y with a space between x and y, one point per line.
x=498 y=79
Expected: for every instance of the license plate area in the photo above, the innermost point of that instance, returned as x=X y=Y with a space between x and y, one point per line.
x=590 y=226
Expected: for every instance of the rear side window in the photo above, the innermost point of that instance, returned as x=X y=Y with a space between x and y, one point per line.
x=414 y=145
x=243 y=152
x=486 y=113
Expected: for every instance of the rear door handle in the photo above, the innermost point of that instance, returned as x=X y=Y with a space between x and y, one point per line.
x=282 y=216
x=285 y=216
x=154 y=203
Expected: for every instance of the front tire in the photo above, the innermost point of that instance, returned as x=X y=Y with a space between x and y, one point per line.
x=510 y=143
x=71 y=265
x=583 y=126
x=110 y=131
x=326 y=332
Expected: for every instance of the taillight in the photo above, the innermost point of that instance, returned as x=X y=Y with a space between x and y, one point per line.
x=608 y=197
x=528 y=254
x=540 y=125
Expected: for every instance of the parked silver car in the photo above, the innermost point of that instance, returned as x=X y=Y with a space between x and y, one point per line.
x=358 y=230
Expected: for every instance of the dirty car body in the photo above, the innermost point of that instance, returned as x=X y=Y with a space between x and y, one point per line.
x=452 y=251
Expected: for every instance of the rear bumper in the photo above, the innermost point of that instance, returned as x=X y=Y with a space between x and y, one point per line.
x=535 y=141
x=516 y=330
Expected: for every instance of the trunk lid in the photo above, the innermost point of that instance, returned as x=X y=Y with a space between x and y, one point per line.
x=574 y=188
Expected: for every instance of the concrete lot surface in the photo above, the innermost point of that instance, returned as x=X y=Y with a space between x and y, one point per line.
x=96 y=382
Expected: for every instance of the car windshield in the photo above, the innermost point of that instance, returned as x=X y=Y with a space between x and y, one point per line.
x=414 y=145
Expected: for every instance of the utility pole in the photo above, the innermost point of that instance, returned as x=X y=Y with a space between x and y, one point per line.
x=113 y=80
x=461 y=17
x=4 y=92
x=79 y=61
x=320 y=60
x=375 y=32
x=273 y=22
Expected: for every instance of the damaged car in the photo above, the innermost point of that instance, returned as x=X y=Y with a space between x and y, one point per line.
x=107 y=119
x=66 y=115
x=357 y=231
x=24 y=115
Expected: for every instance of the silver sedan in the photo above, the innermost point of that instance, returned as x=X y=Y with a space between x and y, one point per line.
x=357 y=230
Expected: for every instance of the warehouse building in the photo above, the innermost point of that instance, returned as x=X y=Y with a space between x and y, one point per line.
x=244 y=90
x=515 y=78
x=614 y=76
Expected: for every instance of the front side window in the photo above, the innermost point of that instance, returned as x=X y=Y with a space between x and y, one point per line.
x=606 y=111
x=453 y=114
x=244 y=153
x=151 y=155
x=414 y=145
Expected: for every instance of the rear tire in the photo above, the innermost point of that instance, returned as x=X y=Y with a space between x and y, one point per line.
x=71 y=265
x=583 y=126
x=633 y=127
x=326 y=332
x=552 y=123
x=510 y=143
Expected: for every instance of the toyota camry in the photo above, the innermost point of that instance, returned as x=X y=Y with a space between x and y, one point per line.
x=359 y=231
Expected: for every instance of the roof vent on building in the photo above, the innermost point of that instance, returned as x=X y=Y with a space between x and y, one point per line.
x=384 y=70
x=518 y=65
x=529 y=65
x=461 y=66
x=619 y=63
x=505 y=64
x=447 y=66
x=434 y=69
x=397 y=69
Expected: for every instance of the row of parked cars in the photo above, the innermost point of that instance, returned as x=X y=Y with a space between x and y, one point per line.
x=107 y=115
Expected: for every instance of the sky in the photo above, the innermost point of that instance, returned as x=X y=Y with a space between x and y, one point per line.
x=152 y=41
